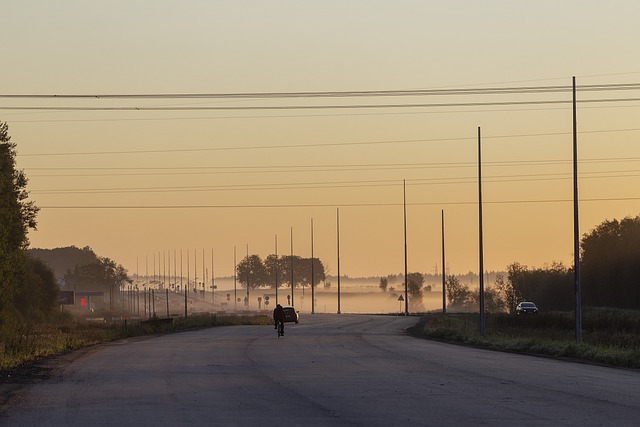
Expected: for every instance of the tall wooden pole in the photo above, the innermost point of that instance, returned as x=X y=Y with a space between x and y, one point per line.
x=313 y=301
x=480 y=236
x=184 y=288
x=204 y=273
x=576 y=228
x=406 y=272
x=277 y=267
x=292 y=284
x=444 y=276
x=213 y=281
x=338 y=242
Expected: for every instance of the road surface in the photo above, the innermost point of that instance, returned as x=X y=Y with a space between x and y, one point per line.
x=338 y=370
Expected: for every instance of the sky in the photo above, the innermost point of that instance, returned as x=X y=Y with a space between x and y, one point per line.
x=142 y=178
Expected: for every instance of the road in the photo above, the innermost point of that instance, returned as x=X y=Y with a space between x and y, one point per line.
x=338 y=370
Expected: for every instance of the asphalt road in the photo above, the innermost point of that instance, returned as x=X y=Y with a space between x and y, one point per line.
x=328 y=370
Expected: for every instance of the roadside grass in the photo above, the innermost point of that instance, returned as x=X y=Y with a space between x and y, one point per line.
x=609 y=336
x=27 y=343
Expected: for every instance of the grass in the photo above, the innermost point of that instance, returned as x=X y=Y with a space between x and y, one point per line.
x=30 y=342
x=609 y=336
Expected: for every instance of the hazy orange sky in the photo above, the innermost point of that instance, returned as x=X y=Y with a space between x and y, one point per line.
x=194 y=174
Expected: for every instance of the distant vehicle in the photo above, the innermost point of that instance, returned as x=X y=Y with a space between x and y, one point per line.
x=527 y=307
x=290 y=314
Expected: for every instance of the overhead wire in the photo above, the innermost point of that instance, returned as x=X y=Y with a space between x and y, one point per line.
x=334 y=205
x=518 y=90
x=343 y=94
x=342 y=184
x=317 y=145
x=522 y=90
x=319 y=106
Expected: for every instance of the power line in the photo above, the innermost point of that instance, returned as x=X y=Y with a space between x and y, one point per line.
x=211 y=170
x=341 y=184
x=341 y=94
x=333 y=205
x=319 y=107
x=347 y=166
x=318 y=145
x=313 y=115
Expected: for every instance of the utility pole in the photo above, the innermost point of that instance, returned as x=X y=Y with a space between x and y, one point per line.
x=213 y=281
x=277 y=267
x=406 y=272
x=203 y=275
x=292 y=284
x=248 y=277
x=480 y=237
x=313 y=306
x=576 y=228
x=338 y=240
x=444 y=276
x=184 y=288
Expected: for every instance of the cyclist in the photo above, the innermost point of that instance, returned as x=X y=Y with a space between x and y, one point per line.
x=278 y=316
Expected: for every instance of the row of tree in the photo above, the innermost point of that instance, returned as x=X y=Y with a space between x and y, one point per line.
x=549 y=287
x=82 y=270
x=610 y=276
x=254 y=272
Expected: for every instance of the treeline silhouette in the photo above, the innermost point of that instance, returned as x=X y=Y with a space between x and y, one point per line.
x=254 y=272
x=610 y=276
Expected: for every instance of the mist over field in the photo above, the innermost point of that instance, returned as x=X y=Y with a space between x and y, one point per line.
x=357 y=295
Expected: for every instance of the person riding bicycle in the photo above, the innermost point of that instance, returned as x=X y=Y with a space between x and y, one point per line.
x=278 y=316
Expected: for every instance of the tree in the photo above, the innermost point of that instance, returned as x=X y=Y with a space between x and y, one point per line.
x=611 y=264
x=276 y=270
x=291 y=264
x=384 y=282
x=304 y=271
x=36 y=298
x=414 y=289
x=415 y=282
x=458 y=295
x=251 y=272
x=516 y=283
x=60 y=260
x=549 y=287
x=493 y=301
x=104 y=275
x=17 y=216
x=507 y=294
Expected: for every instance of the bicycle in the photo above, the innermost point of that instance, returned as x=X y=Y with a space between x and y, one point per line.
x=280 y=329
